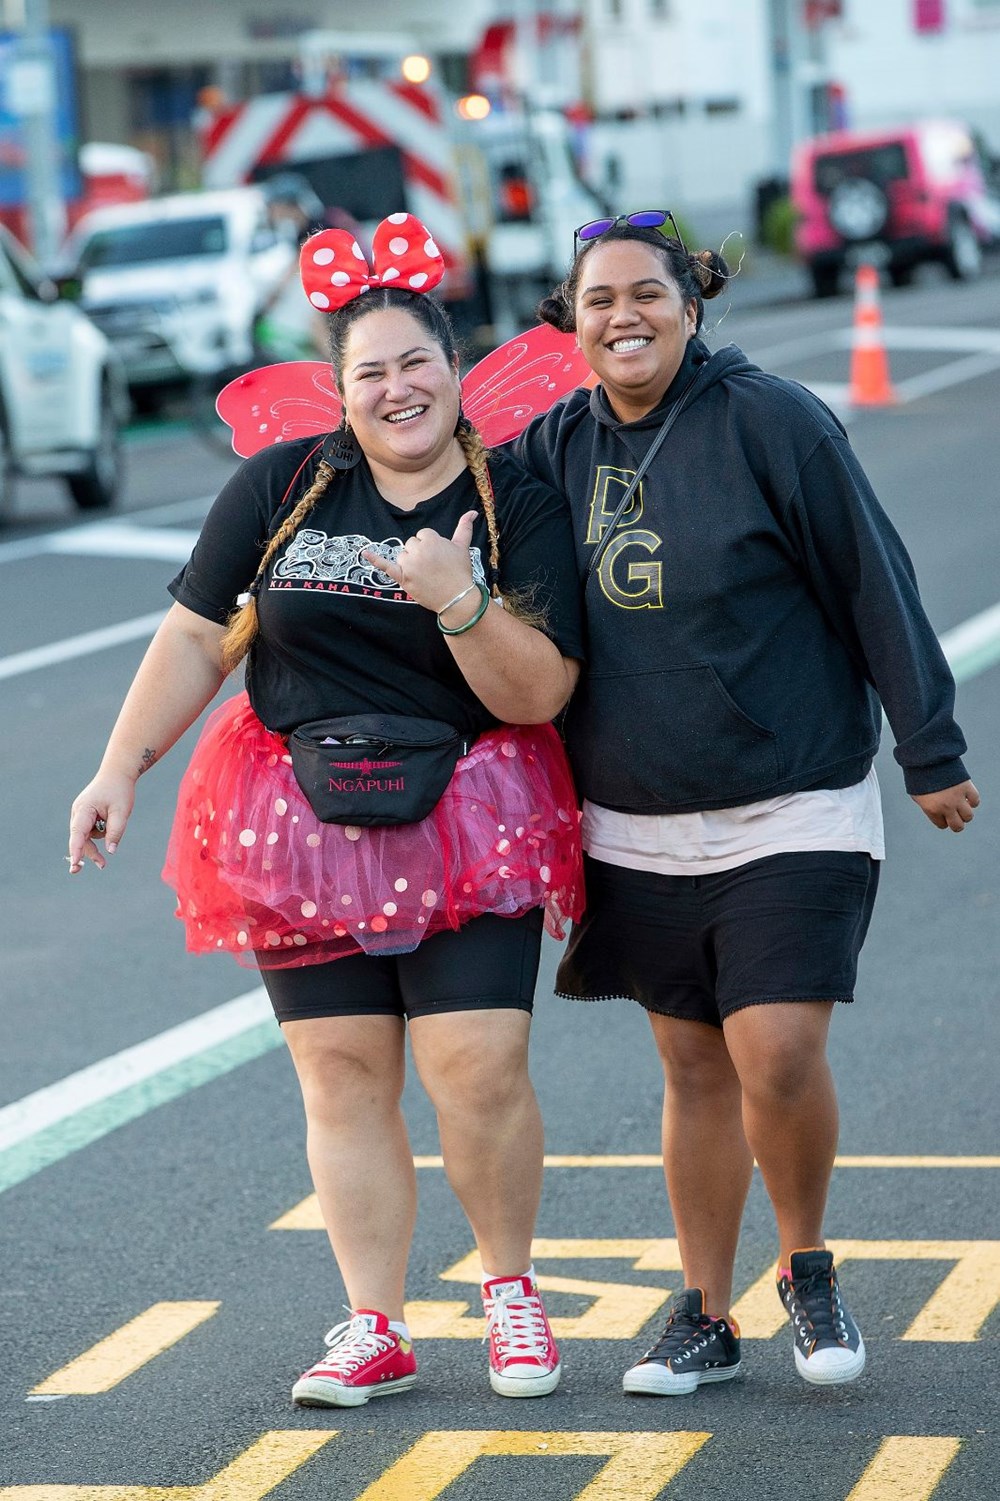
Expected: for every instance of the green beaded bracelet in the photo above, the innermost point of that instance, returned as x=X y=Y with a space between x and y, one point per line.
x=459 y=630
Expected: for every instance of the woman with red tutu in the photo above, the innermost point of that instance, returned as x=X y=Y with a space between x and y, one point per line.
x=386 y=569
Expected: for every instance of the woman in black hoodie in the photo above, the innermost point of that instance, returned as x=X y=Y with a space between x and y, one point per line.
x=748 y=610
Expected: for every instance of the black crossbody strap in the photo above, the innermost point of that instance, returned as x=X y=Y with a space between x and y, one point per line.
x=636 y=479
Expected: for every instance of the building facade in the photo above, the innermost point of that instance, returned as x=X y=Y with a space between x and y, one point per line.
x=675 y=101
x=143 y=66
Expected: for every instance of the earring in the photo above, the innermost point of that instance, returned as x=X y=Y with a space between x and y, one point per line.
x=341 y=449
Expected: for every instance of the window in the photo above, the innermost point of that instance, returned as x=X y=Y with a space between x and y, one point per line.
x=882 y=164
x=160 y=240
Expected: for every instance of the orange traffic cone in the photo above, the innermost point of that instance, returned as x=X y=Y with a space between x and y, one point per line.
x=870 y=382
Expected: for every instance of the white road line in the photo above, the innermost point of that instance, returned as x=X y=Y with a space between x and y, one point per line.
x=981 y=346
x=974 y=645
x=837 y=395
x=960 y=340
x=79 y=646
x=89 y=1086
x=118 y=540
x=803 y=348
x=30 y=547
x=895 y=336
x=944 y=376
x=970 y=647
x=177 y=510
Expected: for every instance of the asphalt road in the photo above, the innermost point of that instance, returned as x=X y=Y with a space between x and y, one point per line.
x=174 y=1209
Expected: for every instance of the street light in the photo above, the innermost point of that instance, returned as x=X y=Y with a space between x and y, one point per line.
x=473 y=107
x=416 y=68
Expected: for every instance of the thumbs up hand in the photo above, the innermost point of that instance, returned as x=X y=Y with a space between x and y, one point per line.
x=462 y=535
x=431 y=568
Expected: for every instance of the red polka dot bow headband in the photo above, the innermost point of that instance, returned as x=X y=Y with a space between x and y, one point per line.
x=334 y=269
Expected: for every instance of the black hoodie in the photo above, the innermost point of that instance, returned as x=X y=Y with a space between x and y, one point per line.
x=752 y=608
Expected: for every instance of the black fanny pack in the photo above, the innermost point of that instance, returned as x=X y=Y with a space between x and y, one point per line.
x=373 y=769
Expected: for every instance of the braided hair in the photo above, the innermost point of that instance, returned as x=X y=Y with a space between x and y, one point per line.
x=698 y=275
x=243 y=624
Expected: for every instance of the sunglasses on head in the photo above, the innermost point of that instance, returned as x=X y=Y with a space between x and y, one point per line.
x=645 y=218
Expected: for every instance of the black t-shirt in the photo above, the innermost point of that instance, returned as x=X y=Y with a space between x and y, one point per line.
x=336 y=635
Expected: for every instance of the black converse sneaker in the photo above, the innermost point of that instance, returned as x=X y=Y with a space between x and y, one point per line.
x=692 y=1349
x=829 y=1349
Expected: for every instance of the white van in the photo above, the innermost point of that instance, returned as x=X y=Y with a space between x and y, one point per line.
x=177 y=282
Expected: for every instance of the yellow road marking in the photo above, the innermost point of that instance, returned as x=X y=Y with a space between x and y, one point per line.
x=619 y=1310
x=906 y=1469
x=639 y=1464
x=108 y=1362
x=655 y=1161
x=251 y=1475
x=306 y=1215
x=960 y=1162
x=954 y=1314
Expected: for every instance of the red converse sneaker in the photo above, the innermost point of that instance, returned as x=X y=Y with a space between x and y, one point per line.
x=524 y=1361
x=364 y=1358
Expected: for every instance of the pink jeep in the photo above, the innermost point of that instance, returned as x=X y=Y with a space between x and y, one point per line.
x=894 y=198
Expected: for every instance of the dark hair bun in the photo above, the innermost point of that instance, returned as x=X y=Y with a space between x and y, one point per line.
x=556 y=311
x=710 y=271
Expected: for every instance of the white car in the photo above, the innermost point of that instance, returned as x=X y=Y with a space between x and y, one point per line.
x=63 y=395
x=177 y=282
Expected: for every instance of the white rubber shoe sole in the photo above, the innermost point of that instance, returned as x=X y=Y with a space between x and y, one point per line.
x=831 y=1367
x=526 y=1385
x=319 y=1391
x=653 y=1379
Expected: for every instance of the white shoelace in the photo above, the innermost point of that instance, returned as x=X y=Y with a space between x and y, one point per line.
x=518 y=1324
x=351 y=1344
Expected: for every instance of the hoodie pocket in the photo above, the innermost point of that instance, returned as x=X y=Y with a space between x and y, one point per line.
x=667 y=738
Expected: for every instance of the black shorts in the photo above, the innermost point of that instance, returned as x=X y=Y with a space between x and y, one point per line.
x=785 y=928
x=490 y=963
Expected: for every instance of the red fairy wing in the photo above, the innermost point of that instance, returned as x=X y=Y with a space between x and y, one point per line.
x=522 y=379
x=278 y=403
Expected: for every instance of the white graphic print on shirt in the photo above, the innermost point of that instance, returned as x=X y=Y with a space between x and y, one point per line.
x=315 y=560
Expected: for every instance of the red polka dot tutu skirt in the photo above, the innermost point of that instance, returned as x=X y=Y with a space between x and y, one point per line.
x=258 y=876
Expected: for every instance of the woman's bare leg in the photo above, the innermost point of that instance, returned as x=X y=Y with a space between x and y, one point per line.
x=789 y=1110
x=351 y=1071
x=474 y=1066
x=706 y=1159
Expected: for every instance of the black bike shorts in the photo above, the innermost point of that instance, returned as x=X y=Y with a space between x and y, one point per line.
x=489 y=963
